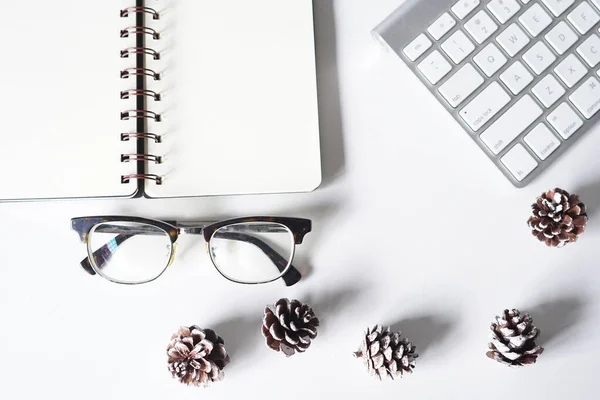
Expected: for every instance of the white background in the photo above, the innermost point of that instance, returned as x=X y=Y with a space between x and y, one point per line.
x=413 y=227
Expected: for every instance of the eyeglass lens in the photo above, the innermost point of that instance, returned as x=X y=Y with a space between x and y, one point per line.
x=129 y=252
x=252 y=252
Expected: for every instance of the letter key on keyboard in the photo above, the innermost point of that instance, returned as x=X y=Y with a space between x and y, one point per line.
x=539 y=57
x=535 y=19
x=590 y=50
x=548 y=91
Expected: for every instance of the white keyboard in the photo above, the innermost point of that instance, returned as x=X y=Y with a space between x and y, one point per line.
x=520 y=76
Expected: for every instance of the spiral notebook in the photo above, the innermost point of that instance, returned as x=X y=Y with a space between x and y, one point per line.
x=158 y=98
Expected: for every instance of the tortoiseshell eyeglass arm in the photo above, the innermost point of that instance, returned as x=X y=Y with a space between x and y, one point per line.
x=291 y=277
x=103 y=254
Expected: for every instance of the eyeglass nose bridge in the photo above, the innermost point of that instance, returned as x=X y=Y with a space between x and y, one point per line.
x=192 y=229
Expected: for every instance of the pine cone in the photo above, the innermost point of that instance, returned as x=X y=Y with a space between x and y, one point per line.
x=386 y=354
x=558 y=218
x=289 y=326
x=197 y=356
x=513 y=340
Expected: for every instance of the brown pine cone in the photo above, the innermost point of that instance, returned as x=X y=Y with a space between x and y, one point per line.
x=387 y=354
x=558 y=218
x=513 y=338
x=197 y=356
x=289 y=326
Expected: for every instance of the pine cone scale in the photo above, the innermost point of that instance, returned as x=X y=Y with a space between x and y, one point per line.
x=580 y=222
x=179 y=350
x=385 y=341
x=277 y=331
x=374 y=348
x=388 y=353
x=219 y=353
x=195 y=364
x=292 y=338
x=288 y=350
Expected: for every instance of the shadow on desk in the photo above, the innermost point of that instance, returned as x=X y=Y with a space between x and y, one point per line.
x=425 y=331
x=241 y=334
x=332 y=141
x=557 y=318
x=589 y=194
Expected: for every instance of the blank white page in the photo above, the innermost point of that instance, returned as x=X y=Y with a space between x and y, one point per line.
x=239 y=98
x=60 y=100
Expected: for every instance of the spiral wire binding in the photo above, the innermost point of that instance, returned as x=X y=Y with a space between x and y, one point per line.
x=136 y=30
x=125 y=94
x=126 y=73
x=137 y=10
x=140 y=113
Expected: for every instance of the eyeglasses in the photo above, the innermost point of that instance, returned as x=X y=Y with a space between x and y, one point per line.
x=129 y=250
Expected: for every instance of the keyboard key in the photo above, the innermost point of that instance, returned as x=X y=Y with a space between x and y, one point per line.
x=548 y=91
x=596 y=3
x=442 y=26
x=461 y=85
x=565 y=121
x=510 y=125
x=571 y=70
x=539 y=57
x=590 y=50
x=519 y=162
x=587 y=98
x=542 y=141
x=557 y=7
x=503 y=10
x=490 y=59
x=535 y=20
x=485 y=106
x=434 y=67
x=583 y=18
x=561 y=37
x=516 y=77
x=481 y=26
x=513 y=40
x=417 y=47
x=458 y=46
x=464 y=8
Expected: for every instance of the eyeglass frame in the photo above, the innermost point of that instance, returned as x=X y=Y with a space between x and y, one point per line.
x=299 y=227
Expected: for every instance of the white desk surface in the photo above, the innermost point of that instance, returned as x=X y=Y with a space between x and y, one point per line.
x=414 y=228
